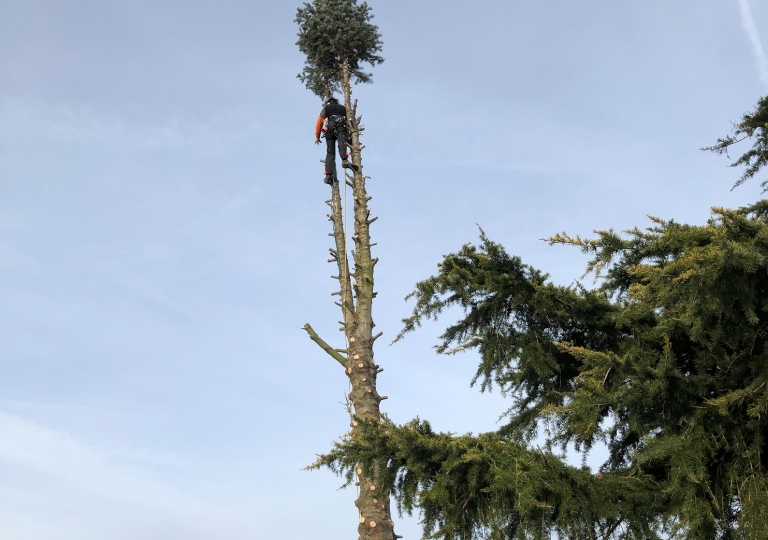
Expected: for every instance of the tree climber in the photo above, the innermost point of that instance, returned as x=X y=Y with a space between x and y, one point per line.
x=335 y=132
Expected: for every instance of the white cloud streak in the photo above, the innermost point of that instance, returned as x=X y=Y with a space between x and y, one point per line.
x=22 y=119
x=52 y=474
x=748 y=23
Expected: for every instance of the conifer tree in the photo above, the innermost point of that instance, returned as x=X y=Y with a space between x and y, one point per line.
x=665 y=361
x=338 y=38
x=754 y=126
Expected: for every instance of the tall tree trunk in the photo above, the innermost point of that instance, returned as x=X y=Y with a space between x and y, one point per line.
x=356 y=292
x=372 y=502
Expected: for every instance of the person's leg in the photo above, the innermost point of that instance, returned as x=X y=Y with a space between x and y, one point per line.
x=330 y=158
x=343 y=150
x=343 y=137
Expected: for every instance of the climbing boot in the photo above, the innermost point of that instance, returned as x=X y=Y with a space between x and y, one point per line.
x=347 y=165
x=328 y=179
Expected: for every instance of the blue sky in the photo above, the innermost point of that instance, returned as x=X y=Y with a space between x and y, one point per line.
x=163 y=234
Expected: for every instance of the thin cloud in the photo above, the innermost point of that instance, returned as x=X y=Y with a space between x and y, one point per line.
x=53 y=470
x=22 y=119
x=748 y=23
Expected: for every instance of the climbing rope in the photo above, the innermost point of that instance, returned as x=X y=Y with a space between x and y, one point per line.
x=346 y=338
x=346 y=281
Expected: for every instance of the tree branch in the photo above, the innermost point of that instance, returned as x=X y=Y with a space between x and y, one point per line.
x=323 y=345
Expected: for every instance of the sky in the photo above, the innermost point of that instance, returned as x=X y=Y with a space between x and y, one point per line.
x=163 y=235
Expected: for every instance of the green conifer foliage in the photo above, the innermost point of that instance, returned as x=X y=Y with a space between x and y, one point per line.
x=664 y=360
x=332 y=34
x=752 y=125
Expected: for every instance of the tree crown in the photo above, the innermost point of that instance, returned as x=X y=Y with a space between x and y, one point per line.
x=334 y=34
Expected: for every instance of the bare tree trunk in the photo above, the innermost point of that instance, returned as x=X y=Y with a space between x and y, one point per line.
x=356 y=292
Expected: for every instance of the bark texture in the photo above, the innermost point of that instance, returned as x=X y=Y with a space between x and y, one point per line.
x=356 y=300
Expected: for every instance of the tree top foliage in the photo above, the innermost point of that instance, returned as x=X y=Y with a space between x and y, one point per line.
x=752 y=125
x=332 y=34
x=664 y=360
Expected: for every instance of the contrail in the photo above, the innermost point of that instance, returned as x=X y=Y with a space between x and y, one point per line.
x=748 y=23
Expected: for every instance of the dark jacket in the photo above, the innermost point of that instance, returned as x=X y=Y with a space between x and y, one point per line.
x=330 y=110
